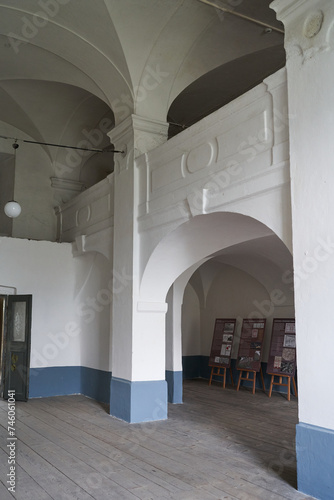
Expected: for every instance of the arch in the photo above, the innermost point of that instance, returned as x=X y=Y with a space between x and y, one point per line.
x=226 y=82
x=199 y=238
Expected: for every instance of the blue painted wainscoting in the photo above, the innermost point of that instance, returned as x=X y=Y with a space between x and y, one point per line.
x=315 y=461
x=96 y=384
x=66 y=380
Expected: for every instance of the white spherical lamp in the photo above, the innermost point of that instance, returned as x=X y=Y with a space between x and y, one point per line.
x=12 y=209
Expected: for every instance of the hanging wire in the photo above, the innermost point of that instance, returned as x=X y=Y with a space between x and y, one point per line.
x=106 y=150
x=15 y=147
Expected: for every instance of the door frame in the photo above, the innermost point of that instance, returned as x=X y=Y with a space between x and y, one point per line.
x=3 y=308
x=11 y=345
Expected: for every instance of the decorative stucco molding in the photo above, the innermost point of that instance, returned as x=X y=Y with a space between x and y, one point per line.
x=308 y=27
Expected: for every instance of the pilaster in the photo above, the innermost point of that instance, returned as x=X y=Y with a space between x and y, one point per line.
x=308 y=27
x=138 y=387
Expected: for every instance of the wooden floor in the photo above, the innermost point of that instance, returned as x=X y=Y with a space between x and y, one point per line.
x=220 y=444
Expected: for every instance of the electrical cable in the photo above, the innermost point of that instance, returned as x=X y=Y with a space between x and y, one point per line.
x=106 y=150
x=242 y=16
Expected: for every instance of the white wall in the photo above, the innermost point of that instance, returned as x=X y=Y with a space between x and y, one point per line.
x=191 y=321
x=92 y=301
x=59 y=283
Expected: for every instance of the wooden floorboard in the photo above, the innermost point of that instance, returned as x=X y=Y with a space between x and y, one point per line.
x=219 y=444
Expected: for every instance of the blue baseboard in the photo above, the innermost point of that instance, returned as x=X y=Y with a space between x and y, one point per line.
x=192 y=366
x=315 y=459
x=175 y=389
x=54 y=381
x=66 y=380
x=138 y=401
x=95 y=384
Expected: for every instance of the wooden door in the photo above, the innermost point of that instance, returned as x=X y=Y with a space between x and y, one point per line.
x=3 y=308
x=17 y=346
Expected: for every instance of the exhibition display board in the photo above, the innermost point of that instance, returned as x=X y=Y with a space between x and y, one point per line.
x=250 y=346
x=221 y=348
x=222 y=341
x=282 y=354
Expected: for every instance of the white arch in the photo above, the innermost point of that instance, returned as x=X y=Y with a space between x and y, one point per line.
x=192 y=242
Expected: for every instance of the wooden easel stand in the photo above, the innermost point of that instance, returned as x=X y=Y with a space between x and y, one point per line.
x=218 y=374
x=248 y=379
x=280 y=383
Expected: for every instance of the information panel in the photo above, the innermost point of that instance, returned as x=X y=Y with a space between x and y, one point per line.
x=282 y=354
x=222 y=343
x=250 y=347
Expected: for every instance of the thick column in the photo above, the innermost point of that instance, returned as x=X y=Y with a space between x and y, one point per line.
x=309 y=43
x=138 y=386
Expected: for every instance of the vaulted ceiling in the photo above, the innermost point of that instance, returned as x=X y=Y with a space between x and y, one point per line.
x=70 y=69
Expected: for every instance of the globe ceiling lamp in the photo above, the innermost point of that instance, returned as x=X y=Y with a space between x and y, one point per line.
x=12 y=208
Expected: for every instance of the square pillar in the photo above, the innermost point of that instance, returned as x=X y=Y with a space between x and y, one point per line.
x=138 y=386
x=309 y=43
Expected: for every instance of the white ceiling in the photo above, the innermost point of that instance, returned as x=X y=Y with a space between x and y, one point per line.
x=67 y=63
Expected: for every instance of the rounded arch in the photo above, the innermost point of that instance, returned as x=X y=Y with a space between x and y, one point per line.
x=226 y=82
x=191 y=243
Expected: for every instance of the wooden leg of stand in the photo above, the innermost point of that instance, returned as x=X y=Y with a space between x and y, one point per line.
x=262 y=380
x=232 y=381
x=294 y=386
x=224 y=379
x=211 y=376
x=271 y=386
x=254 y=381
x=289 y=388
x=238 y=386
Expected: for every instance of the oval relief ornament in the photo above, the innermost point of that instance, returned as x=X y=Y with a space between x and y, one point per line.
x=313 y=24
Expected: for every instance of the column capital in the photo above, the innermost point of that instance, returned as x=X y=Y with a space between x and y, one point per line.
x=308 y=26
x=147 y=134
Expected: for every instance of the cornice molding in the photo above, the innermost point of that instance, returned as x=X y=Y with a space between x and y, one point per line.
x=308 y=26
x=67 y=184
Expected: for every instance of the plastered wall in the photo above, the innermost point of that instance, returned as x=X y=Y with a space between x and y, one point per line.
x=70 y=312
